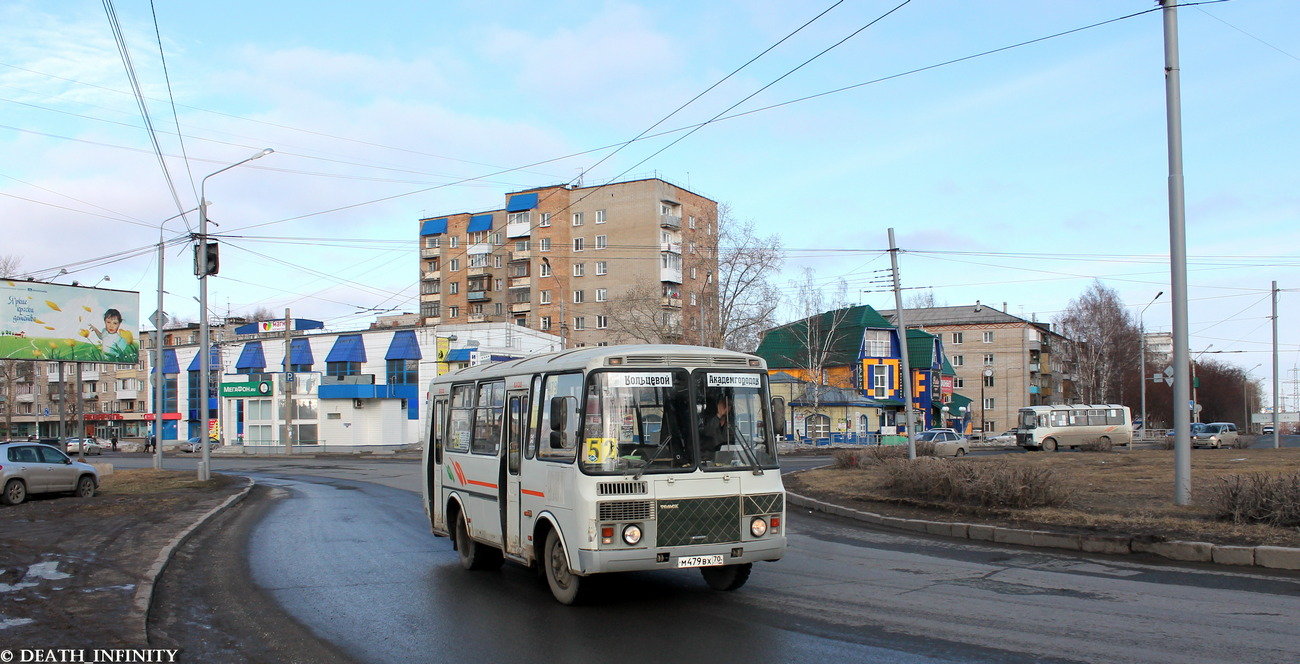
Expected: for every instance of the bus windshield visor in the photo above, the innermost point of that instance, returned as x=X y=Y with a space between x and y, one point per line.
x=638 y=421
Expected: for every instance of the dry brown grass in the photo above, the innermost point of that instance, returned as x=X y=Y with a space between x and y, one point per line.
x=1122 y=492
x=149 y=480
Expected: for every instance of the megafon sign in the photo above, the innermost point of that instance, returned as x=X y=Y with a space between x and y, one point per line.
x=40 y=321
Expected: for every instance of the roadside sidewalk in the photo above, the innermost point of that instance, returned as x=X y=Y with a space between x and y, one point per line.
x=77 y=573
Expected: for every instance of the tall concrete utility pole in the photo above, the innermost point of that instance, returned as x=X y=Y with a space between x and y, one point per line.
x=1178 y=262
x=902 y=342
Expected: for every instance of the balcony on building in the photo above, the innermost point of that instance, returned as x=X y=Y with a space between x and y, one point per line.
x=124 y=395
x=671 y=247
x=520 y=282
x=432 y=320
x=431 y=275
x=670 y=221
x=430 y=252
x=26 y=398
x=672 y=302
x=87 y=395
x=521 y=255
x=671 y=274
x=478 y=318
x=478 y=271
x=87 y=374
x=521 y=307
x=478 y=296
x=430 y=297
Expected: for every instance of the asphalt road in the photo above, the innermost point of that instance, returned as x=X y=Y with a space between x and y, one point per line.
x=344 y=549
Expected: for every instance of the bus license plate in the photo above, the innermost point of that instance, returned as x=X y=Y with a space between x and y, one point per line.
x=699 y=561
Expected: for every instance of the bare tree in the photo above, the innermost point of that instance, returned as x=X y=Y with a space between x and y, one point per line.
x=647 y=314
x=921 y=299
x=1101 y=343
x=9 y=369
x=819 y=334
x=741 y=303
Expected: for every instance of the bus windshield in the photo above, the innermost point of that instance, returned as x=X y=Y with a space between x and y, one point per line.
x=637 y=421
x=652 y=421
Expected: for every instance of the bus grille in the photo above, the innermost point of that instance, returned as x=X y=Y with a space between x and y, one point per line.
x=621 y=489
x=688 y=360
x=686 y=521
x=770 y=503
x=626 y=510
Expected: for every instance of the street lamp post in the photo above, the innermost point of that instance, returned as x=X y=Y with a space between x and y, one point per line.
x=988 y=373
x=160 y=319
x=1142 y=359
x=564 y=336
x=204 y=342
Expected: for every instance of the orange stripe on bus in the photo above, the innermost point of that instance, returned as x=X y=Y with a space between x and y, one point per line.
x=530 y=492
x=482 y=484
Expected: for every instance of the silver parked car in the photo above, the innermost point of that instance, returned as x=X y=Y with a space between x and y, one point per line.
x=947 y=442
x=1216 y=435
x=30 y=468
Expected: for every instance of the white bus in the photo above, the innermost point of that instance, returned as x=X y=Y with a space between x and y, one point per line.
x=608 y=459
x=1051 y=427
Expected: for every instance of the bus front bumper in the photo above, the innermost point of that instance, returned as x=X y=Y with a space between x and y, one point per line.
x=679 y=557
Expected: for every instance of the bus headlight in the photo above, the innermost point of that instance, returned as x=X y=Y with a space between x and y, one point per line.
x=632 y=534
x=758 y=527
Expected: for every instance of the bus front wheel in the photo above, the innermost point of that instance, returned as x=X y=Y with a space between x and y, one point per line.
x=565 y=585
x=726 y=577
x=1049 y=444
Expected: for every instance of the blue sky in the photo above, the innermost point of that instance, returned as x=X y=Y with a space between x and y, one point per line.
x=1017 y=177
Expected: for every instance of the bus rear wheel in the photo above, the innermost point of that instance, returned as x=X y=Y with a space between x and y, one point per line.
x=727 y=577
x=565 y=585
x=474 y=556
x=1049 y=444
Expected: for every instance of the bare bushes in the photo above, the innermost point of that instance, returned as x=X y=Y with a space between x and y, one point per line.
x=876 y=454
x=1262 y=498
x=1242 y=442
x=995 y=484
x=1102 y=444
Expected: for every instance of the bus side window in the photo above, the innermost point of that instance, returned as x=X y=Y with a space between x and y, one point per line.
x=560 y=391
x=439 y=427
x=534 y=412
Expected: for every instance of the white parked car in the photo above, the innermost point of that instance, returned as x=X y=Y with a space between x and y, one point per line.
x=947 y=442
x=75 y=445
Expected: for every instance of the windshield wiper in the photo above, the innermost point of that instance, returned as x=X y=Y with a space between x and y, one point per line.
x=748 y=446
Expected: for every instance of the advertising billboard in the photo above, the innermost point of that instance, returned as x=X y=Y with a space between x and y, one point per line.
x=52 y=322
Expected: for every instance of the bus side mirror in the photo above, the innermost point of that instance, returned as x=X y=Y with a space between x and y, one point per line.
x=778 y=416
x=559 y=421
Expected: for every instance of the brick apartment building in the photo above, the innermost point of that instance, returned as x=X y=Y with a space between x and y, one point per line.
x=625 y=262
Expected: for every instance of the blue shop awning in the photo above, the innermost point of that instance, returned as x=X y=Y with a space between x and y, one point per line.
x=347 y=348
x=300 y=353
x=170 y=365
x=433 y=226
x=214 y=360
x=251 y=357
x=403 y=347
x=521 y=202
x=458 y=354
x=480 y=222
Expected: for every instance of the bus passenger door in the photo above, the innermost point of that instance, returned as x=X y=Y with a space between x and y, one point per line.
x=434 y=477
x=516 y=430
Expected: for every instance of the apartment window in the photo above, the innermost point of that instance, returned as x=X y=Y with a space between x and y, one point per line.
x=958 y=360
x=602 y=267
x=956 y=337
x=579 y=269
x=602 y=322
x=499 y=284
x=545 y=270
x=430 y=287
x=477 y=237
x=545 y=322
x=431 y=309
x=521 y=245
x=453 y=287
x=988 y=337
x=600 y=241
x=988 y=403
x=578 y=297
x=454 y=265
x=988 y=381
x=988 y=359
x=477 y=260
x=577 y=218
x=958 y=383
x=692 y=222
x=546 y=220
x=432 y=265
x=693 y=273
x=496 y=239
x=990 y=425
x=476 y=309
x=498 y=261
x=544 y=297
x=602 y=294
x=517 y=218
x=453 y=241
x=579 y=322
x=432 y=242
x=544 y=244
x=692 y=298
x=692 y=247
x=453 y=311
x=579 y=244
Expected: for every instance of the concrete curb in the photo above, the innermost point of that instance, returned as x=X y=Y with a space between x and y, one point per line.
x=144 y=592
x=1270 y=557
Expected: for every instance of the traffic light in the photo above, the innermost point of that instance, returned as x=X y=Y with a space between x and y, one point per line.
x=211 y=250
